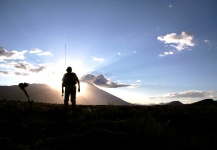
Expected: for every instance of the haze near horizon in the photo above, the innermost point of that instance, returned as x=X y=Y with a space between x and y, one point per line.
x=43 y=93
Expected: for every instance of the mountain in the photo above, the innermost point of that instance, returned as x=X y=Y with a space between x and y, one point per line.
x=89 y=95
x=174 y=103
x=205 y=102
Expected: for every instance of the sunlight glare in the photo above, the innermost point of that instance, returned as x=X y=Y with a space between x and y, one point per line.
x=77 y=67
x=83 y=88
x=53 y=74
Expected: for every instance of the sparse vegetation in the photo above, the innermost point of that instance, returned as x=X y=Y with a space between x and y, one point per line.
x=46 y=126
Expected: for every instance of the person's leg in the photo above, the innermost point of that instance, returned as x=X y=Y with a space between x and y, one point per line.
x=73 y=99
x=66 y=99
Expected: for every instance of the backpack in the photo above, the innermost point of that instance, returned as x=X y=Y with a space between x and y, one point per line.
x=69 y=79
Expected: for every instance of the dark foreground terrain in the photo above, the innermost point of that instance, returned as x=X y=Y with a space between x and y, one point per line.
x=45 y=126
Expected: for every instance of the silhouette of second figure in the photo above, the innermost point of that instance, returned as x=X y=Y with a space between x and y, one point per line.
x=69 y=81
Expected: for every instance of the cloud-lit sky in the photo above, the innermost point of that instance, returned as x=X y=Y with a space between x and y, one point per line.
x=143 y=51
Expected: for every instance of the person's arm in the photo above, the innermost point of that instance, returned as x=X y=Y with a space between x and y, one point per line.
x=62 y=89
x=78 y=84
x=62 y=85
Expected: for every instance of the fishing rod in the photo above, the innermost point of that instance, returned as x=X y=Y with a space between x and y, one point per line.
x=65 y=55
x=64 y=68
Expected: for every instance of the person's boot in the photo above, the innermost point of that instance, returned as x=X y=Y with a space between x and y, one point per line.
x=66 y=106
x=73 y=110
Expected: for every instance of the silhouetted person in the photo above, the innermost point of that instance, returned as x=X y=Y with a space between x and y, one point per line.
x=69 y=81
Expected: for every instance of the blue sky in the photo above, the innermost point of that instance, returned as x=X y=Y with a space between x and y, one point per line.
x=143 y=51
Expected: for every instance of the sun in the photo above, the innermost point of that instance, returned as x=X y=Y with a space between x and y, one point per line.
x=77 y=66
x=54 y=74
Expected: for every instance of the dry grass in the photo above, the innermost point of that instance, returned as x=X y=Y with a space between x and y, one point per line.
x=46 y=126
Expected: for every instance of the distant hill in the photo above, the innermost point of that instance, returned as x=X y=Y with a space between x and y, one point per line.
x=174 y=103
x=205 y=102
x=171 y=103
x=201 y=102
x=89 y=95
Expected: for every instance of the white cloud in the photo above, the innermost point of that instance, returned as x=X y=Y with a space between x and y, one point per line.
x=183 y=41
x=13 y=54
x=170 y=6
x=133 y=86
x=166 y=53
x=39 y=52
x=206 y=41
x=45 y=53
x=190 y=94
x=138 y=81
x=35 y=51
x=98 y=59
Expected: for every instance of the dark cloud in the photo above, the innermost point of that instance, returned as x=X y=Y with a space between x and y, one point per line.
x=28 y=67
x=5 y=53
x=38 y=69
x=88 y=78
x=22 y=65
x=102 y=81
x=21 y=74
x=4 y=72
